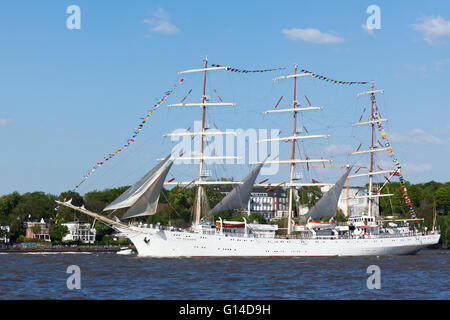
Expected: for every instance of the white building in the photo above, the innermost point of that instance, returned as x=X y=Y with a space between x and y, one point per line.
x=4 y=235
x=80 y=231
x=271 y=203
x=354 y=207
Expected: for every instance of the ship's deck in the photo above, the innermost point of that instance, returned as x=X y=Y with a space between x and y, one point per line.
x=299 y=235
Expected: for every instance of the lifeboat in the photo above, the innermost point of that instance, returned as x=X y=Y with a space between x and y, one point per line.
x=231 y=224
x=322 y=225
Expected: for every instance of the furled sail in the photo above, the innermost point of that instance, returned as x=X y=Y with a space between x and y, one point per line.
x=135 y=192
x=326 y=207
x=239 y=196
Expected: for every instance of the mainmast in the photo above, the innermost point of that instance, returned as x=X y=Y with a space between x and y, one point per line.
x=293 y=162
x=294 y=135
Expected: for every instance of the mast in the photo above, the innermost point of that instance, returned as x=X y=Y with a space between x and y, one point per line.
x=294 y=134
x=371 y=154
x=198 y=208
x=371 y=150
x=434 y=217
x=348 y=197
x=293 y=162
x=200 y=182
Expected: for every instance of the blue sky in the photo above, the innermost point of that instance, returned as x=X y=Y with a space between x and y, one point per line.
x=69 y=97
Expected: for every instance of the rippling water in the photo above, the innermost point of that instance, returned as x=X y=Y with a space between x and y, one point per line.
x=111 y=276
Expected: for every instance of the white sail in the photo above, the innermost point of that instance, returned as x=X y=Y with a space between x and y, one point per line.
x=239 y=196
x=132 y=194
x=327 y=205
x=147 y=203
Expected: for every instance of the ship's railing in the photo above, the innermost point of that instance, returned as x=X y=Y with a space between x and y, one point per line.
x=302 y=235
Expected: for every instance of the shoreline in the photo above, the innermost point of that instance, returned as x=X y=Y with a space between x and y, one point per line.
x=75 y=249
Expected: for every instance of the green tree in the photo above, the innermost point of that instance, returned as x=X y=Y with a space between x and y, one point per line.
x=36 y=229
x=101 y=230
x=96 y=201
x=58 y=232
x=35 y=204
x=443 y=197
x=16 y=228
x=7 y=203
x=431 y=187
x=309 y=196
x=214 y=197
x=340 y=216
x=66 y=214
x=3 y=233
x=259 y=218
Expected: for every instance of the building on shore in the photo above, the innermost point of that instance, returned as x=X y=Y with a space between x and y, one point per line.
x=273 y=203
x=37 y=229
x=270 y=203
x=350 y=203
x=80 y=231
x=4 y=234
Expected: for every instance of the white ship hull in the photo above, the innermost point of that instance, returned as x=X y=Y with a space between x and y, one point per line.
x=164 y=243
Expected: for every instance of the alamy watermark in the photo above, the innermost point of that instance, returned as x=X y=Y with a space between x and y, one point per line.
x=374 y=280
x=74 y=20
x=233 y=146
x=74 y=280
x=374 y=20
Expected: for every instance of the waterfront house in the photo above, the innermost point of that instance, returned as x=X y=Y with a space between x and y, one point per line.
x=37 y=229
x=80 y=231
x=352 y=205
x=270 y=203
x=4 y=234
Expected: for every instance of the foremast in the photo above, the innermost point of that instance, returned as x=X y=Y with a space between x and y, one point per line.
x=200 y=197
x=292 y=165
x=200 y=188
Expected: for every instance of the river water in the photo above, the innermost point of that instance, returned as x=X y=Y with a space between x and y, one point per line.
x=425 y=275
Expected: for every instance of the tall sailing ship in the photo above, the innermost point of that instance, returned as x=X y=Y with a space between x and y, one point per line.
x=360 y=236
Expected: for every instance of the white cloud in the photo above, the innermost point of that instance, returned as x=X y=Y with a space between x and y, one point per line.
x=368 y=30
x=433 y=29
x=311 y=35
x=160 y=23
x=411 y=167
x=417 y=136
x=4 y=122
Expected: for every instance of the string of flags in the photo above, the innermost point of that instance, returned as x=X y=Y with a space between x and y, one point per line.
x=398 y=173
x=247 y=71
x=129 y=141
x=182 y=100
x=318 y=76
x=313 y=74
x=57 y=215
